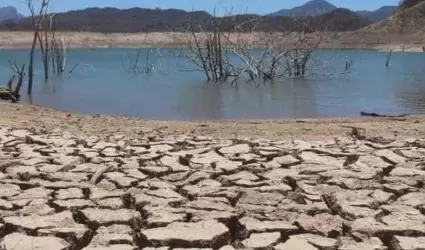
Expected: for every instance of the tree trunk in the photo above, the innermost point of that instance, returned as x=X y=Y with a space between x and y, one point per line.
x=31 y=63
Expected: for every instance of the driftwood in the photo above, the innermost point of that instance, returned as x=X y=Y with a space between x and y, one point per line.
x=11 y=92
x=8 y=95
x=379 y=115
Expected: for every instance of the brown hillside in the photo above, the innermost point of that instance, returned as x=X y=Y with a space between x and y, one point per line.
x=405 y=20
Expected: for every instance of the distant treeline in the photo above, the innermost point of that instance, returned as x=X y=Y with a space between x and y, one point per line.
x=112 y=20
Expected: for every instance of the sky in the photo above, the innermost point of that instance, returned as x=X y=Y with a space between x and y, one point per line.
x=224 y=6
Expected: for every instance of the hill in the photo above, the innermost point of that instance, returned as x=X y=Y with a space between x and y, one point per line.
x=320 y=7
x=405 y=20
x=112 y=20
x=9 y=13
x=378 y=15
x=311 y=8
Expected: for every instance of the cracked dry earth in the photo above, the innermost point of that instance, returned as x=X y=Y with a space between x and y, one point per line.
x=60 y=192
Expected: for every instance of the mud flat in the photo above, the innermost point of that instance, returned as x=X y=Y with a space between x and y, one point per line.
x=137 y=188
x=37 y=118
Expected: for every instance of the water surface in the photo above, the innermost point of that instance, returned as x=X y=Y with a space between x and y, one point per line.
x=105 y=84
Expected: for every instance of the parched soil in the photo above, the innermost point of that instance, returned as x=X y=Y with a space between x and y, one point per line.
x=77 y=182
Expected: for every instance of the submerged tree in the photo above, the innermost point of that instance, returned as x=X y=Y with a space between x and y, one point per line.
x=36 y=26
x=238 y=49
x=50 y=46
x=12 y=92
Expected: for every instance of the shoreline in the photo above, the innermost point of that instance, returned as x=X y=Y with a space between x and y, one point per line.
x=28 y=116
x=344 y=40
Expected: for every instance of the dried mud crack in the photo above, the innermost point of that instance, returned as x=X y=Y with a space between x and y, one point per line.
x=63 y=192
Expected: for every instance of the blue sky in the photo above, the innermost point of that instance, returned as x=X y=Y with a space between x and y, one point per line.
x=239 y=6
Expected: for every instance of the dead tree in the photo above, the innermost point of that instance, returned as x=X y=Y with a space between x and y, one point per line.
x=36 y=26
x=19 y=72
x=58 y=53
x=259 y=55
x=389 y=55
x=10 y=92
x=134 y=64
x=44 y=42
x=209 y=52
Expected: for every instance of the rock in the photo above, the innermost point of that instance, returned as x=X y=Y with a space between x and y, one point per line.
x=109 y=217
x=261 y=240
x=236 y=149
x=174 y=163
x=36 y=207
x=406 y=172
x=35 y=222
x=256 y=226
x=156 y=171
x=203 y=215
x=317 y=241
x=369 y=226
x=87 y=168
x=74 y=204
x=255 y=198
x=100 y=193
x=207 y=158
x=283 y=161
x=390 y=156
x=9 y=190
x=371 y=161
x=17 y=241
x=243 y=175
x=186 y=235
x=121 y=180
x=202 y=187
x=66 y=194
x=412 y=199
x=112 y=247
x=323 y=224
x=33 y=193
x=203 y=204
x=79 y=235
x=310 y=157
x=156 y=184
x=282 y=173
x=369 y=244
x=112 y=235
x=295 y=244
x=136 y=174
x=408 y=243
x=68 y=176
x=156 y=248
x=228 y=247
x=5 y=205
x=280 y=188
x=110 y=203
x=160 y=148
x=165 y=194
x=226 y=166
x=161 y=216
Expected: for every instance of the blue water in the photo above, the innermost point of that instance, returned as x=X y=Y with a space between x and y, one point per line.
x=104 y=83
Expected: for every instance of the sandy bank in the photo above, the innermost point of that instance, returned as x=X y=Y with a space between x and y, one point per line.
x=353 y=40
x=28 y=116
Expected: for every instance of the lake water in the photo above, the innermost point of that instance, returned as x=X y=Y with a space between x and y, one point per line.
x=105 y=84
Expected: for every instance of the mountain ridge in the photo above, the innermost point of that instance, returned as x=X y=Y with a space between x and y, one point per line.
x=320 y=7
x=9 y=13
x=113 y=20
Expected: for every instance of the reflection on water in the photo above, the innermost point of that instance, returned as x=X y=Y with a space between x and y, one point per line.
x=103 y=83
